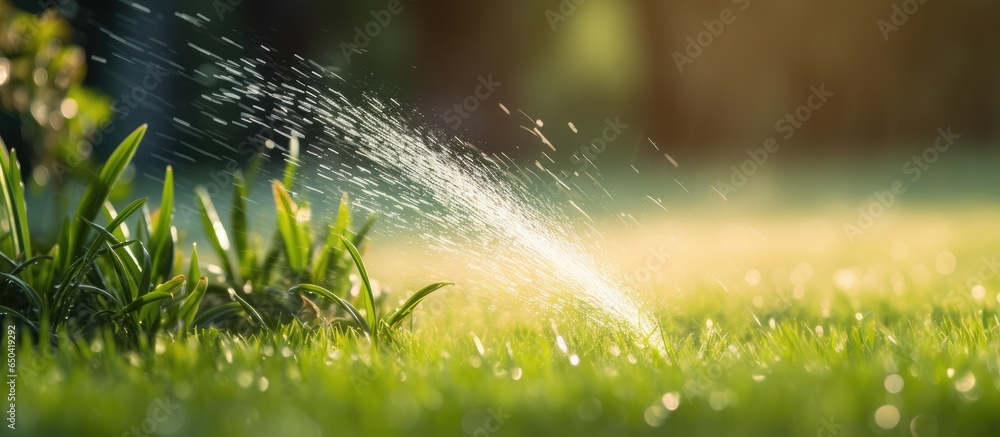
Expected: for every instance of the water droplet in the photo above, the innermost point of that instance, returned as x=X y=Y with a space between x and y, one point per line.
x=655 y=416
x=966 y=382
x=671 y=400
x=978 y=292
x=887 y=417
x=945 y=263
x=893 y=383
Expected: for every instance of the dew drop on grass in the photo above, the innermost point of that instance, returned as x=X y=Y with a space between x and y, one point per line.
x=966 y=383
x=244 y=378
x=516 y=373
x=893 y=383
x=887 y=417
x=945 y=263
x=924 y=425
x=671 y=400
x=614 y=350
x=655 y=416
x=479 y=345
x=844 y=279
x=978 y=292
x=561 y=343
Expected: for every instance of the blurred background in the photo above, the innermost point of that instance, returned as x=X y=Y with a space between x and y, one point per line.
x=696 y=83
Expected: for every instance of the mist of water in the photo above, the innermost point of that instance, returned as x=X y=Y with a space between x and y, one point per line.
x=456 y=200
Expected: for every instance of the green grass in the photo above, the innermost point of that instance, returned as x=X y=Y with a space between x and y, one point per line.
x=114 y=339
x=734 y=377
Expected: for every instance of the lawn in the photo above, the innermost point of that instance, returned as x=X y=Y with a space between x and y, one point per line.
x=877 y=339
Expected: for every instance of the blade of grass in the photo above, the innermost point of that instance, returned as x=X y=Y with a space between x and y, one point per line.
x=345 y=305
x=333 y=246
x=217 y=313
x=252 y=312
x=99 y=189
x=13 y=313
x=367 y=297
x=288 y=226
x=146 y=299
x=13 y=200
x=194 y=271
x=161 y=242
x=29 y=293
x=397 y=316
x=239 y=223
x=216 y=232
x=190 y=306
x=293 y=160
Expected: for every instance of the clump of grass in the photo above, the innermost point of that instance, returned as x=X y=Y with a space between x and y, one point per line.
x=127 y=280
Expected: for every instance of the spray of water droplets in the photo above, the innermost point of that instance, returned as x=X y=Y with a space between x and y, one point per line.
x=430 y=184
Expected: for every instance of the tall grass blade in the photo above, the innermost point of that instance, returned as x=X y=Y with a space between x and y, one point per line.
x=161 y=242
x=215 y=231
x=13 y=201
x=190 y=306
x=97 y=191
x=397 y=316
x=293 y=160
x=345 y=305
x=239 y=223
x=329 y=254
x=367 y=296
x=288 y=227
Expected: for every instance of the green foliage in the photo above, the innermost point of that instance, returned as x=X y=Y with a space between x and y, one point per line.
x=41 y=82
x=300 y=261
x=371 y=323
x=102 y=278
